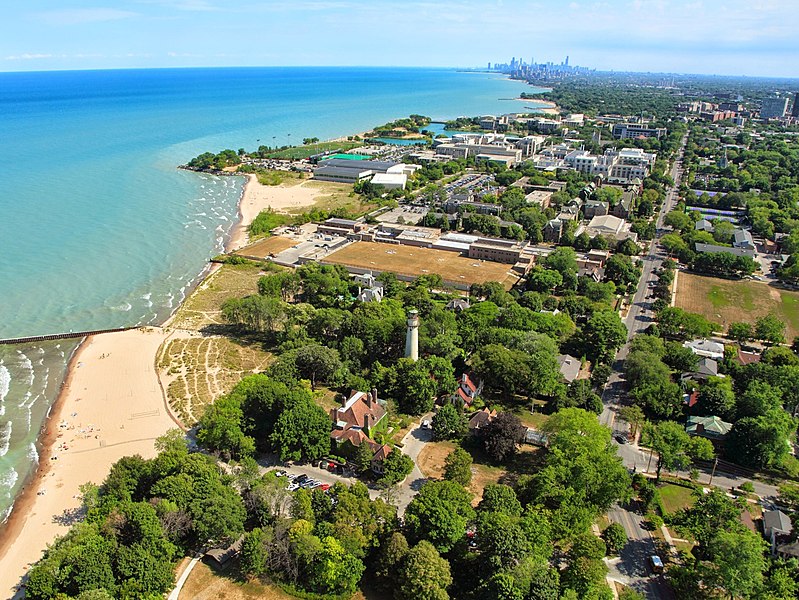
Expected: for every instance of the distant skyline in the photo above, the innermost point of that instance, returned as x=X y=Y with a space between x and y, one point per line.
x=737 y=37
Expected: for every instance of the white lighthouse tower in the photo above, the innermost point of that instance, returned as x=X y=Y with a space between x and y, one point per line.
x=412 y=337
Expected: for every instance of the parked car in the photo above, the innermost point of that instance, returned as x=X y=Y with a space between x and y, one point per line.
x=656 y=563
x=621 y=438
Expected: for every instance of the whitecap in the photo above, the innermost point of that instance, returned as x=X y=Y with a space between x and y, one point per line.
x=125 y=307
x=33 y=454
x=8 y=478
x=5 y=382
x=5 y=438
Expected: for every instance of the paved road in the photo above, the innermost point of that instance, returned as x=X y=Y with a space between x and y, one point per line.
x=632 y=567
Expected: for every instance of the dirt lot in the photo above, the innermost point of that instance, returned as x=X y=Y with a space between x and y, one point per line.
x=431 y=464
x=205 y=583
x=263 y=248
x=727 y=301
x=413 y=261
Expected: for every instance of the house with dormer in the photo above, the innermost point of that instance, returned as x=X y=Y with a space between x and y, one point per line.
x=469 y=387
x=356 y=422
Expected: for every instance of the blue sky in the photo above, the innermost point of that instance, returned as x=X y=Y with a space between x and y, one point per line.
x=732 y=37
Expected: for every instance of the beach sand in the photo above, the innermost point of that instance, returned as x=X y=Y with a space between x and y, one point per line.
x=111 y=406
x=281 y=198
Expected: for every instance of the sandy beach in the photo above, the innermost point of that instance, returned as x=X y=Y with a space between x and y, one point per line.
x=257 y=197
x=543 y=106
x=111 y=406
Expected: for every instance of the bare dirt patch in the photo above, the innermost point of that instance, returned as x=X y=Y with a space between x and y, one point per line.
x=413 y=261
x=266 y=247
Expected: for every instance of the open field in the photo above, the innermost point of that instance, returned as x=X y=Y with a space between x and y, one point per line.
x=202 y=308
x=728 y=301
x=413 y=261
x=431 y=464
x=264 y=247
x=284 y=178
x=328 y=196
x=206 y=583
x=675 y=497
x=297 y=152
x=197 y=370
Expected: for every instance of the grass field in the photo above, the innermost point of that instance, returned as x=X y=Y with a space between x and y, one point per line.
x=263 y=248
x=331 y=196
x=675 y=497
x=203 y=306
x=297 y=152
x=728 y=301
x=413 y=261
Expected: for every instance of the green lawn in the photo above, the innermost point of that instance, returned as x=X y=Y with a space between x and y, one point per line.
x=297 y=152
x=675 y=497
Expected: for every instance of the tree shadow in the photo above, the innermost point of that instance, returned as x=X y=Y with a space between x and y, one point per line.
x=70 y=516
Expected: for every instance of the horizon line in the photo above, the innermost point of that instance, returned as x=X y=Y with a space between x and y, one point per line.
x=475 y=69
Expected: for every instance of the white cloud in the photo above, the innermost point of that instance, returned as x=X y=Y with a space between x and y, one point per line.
x=27 y=56
x=78 y=16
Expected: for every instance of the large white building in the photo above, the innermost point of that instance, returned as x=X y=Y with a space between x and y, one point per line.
x=353 y=171
x=622 y=166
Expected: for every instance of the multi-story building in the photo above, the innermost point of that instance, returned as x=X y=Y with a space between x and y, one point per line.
x=496 y=250
x=623 y=165
x=795 y=110
x=773 y=108
x=624 y=131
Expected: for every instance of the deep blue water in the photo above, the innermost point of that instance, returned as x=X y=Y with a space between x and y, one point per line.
x=99 y=229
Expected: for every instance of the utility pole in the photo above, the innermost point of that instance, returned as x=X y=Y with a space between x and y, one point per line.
x=651 y=452
x=715 y=464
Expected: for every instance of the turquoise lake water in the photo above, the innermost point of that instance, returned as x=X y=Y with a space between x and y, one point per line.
x=99 y=229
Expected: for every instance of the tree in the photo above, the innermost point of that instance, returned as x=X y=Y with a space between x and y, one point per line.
x=770 y=329
x=501 y=499
x=761 y=441
x=458 y=467
x=503 y=543
x=302 y=432
x=671 y=443
x=335 y=570
x=615 y=538
x=740 y=332
x=634 y=416
x=628 y=247
x=758 y=399
x=738 y=562
x=563 y=260
x=317 y=363
x=396 y=467
x=621 y=270
x=253 y=553
x=544 y=280
x=423 y=574
x=501 y=436
x=716 y=398
x=679 y=220
x=449 y=423
x=390 y=556
x=604 y=333
x=439 y=513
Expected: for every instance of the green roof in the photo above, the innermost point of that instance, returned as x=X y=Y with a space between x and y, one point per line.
x=710 y=427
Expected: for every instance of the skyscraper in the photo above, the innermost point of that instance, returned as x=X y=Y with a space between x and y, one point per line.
x=773 y=108
x=795 y=111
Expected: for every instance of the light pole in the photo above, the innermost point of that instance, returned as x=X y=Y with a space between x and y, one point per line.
x=713 y=472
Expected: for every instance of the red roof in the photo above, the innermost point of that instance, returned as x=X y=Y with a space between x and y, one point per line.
x=467 y=399
x=382 y=452
x=747 y=358
x=355 y=411
x=466 y=380
x=693 y=398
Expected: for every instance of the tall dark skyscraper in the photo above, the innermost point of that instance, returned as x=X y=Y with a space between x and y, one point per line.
x=795 y=110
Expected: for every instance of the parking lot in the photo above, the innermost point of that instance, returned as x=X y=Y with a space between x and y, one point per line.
x=407 y=214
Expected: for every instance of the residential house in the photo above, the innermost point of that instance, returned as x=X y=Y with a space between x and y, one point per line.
x=481 y=418
x=706 y=367
x=712 y=428
x=569 y=367
x=746 y=358
x=706 y=348
x=372 y=294
x=595 y=208
x=553 y=231
x=458 y=304
x=624 y=207
x=704 y=225
x=378 y=458
x=467 y=391
x=356 y=421
x=741 y=238
x=777 y=527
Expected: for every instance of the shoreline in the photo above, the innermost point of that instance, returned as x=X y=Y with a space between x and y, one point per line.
x=29 y=503
x=110 y=405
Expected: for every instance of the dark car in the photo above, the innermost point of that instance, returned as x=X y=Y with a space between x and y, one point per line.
x=621 y=438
